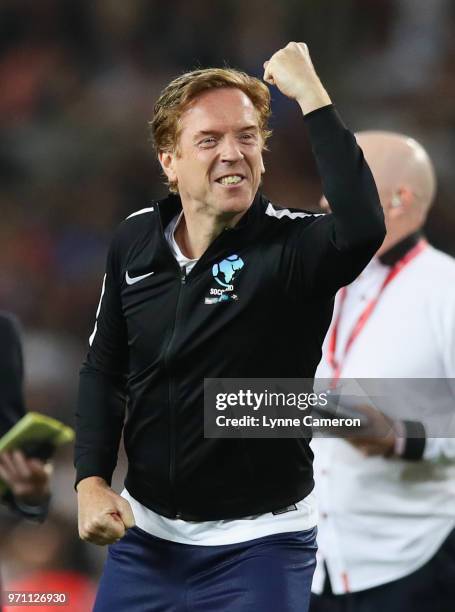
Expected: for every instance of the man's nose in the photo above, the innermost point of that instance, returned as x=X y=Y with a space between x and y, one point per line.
x=231 y=150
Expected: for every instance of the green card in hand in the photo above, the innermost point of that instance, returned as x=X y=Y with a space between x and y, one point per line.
x=37 y=435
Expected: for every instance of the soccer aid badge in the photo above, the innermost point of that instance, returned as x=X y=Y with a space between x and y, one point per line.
x=224 y=274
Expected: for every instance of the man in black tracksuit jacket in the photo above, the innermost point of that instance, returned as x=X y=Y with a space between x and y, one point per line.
x=157 y=340
x=160 y=332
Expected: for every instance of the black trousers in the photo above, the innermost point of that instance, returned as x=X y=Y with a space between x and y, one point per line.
x=429 y=589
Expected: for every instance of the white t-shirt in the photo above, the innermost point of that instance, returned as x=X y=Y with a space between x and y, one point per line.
x=297 y=517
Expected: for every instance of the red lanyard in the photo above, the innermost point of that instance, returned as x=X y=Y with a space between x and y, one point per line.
x=365 y=315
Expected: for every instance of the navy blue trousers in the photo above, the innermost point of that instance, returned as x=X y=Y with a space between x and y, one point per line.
x=147 y=574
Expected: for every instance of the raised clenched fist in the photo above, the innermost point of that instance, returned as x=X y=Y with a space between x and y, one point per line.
x=292 y=71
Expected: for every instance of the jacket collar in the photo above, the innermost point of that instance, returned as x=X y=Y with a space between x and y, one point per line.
x=171 y=206
x=399 y=250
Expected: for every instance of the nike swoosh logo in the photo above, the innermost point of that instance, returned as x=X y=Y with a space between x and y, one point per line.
x=131 y=280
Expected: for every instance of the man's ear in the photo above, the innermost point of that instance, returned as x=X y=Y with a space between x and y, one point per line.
x=166 y=160
x=401 y=202
x=262 y=162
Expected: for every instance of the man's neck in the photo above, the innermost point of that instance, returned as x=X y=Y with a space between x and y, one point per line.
x=196 y=231
x=400 y=248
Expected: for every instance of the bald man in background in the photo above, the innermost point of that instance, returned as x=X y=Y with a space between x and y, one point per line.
x=387 y=502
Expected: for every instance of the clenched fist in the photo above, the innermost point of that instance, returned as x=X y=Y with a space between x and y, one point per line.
x=104 y=516
x=292 y=71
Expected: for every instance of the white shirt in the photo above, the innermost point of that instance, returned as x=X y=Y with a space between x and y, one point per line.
x=299 y=517
x=382 y=519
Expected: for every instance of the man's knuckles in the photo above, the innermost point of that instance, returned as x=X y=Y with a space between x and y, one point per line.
x=100 y=526
x=102 y=534
x=295 y=47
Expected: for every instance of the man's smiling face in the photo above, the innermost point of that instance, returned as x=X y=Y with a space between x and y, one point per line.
x=218 y=163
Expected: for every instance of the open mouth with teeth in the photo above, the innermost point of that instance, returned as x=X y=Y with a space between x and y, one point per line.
x=231 y=179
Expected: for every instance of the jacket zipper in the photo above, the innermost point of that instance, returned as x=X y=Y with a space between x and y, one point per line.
x=168 y=365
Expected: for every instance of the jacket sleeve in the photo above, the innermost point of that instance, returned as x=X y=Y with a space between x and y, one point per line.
x=102 y=387
x=335 y=248
x=12 y=406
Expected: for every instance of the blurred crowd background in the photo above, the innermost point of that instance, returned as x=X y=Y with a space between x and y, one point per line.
x=78 y=80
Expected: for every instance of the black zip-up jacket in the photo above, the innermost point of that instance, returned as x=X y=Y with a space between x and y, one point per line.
x=257 y=304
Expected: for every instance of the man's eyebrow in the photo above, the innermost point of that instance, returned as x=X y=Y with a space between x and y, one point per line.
x=217 y=132
x=249 y=127
x=206 y=133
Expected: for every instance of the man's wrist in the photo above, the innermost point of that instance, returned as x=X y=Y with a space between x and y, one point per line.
x=91 y=481
x=409 y=440
x=34 y=500
x=35 y=510
x=313 y=99
x=400 y=438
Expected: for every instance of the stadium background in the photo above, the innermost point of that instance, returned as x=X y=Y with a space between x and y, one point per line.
x=78 y=79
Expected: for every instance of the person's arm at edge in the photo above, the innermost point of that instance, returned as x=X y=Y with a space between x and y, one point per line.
x=12 y=407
